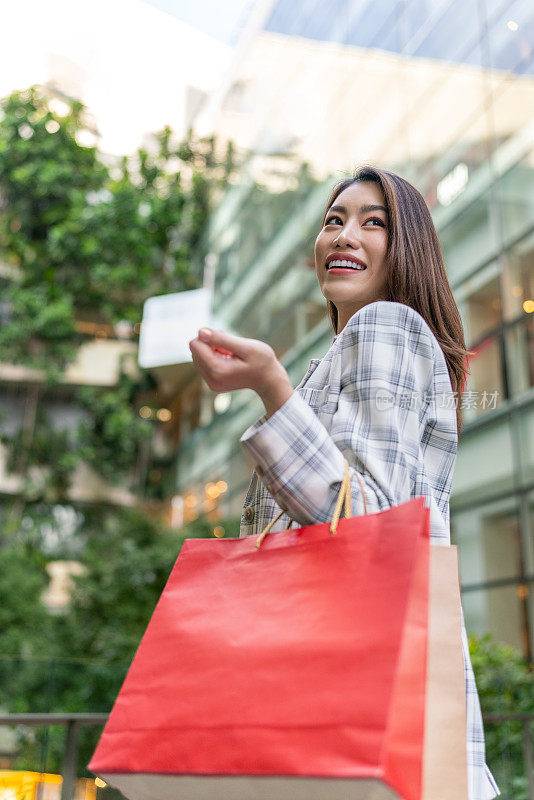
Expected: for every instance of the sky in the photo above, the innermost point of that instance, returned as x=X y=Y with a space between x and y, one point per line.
x=129 y=61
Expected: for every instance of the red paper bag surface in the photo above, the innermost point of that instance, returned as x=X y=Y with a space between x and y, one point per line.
x=293 y=670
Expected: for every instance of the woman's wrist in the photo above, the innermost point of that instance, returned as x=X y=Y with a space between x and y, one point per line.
x=275 y=390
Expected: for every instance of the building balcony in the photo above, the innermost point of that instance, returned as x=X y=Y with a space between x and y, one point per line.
x=85 y=486
x=97 y=363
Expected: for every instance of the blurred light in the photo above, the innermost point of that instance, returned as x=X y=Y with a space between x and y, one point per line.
x=522 y=591
x=528 y=306
x=212 y=491
x=219 y=531
x=145 y=412
x=86 y=139
x=517 y=291
x=59 y=108
x=164 y=415
x=52 y=126
x=123 y=329
x=191 y=500
x=101 y=196
x=512 y=24
x=25 y=131
x=177 y=511
x=222 y=486
x=221 y=402
x=452 y=184
x=100 y=783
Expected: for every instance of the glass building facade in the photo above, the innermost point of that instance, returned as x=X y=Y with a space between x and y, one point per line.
x=441 y=92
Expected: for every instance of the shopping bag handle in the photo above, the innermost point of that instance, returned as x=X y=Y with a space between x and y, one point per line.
x=343 y=498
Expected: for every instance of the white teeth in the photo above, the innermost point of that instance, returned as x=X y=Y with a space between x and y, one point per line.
x=344 y=263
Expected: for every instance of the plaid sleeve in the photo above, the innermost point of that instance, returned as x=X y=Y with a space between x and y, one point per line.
x=387 y=355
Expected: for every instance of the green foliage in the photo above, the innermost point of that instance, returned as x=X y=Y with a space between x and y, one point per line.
x=79 y=661
x=505 y=681
x=25 y=629
x=89 y=241
x=52 y=451
x=24 y=624
x=112 y=434
x=84 y=242
x=506 y=686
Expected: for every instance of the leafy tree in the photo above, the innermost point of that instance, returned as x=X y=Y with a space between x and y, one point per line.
x=506 y=686
x=25 y=624
x=112 y=433
x=87 y=241
x=84 y=240
x=84 y=653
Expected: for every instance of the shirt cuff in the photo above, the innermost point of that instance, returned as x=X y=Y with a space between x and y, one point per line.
x=264 y=421
x=295 y=459
x=261 y=433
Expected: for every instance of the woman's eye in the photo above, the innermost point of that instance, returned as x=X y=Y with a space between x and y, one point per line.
x=333 y=217
x=376 y=220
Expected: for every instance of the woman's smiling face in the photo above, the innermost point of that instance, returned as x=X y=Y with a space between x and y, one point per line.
x=355 y=231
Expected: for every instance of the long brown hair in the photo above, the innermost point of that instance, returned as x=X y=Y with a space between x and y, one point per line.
x=415 y=270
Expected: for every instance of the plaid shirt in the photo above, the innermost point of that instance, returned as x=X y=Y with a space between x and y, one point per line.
x=381 y=398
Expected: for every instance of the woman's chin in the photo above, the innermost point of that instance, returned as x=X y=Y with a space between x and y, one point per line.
x=340 y=299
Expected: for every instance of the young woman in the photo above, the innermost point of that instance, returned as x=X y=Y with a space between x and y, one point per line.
x=384 y=396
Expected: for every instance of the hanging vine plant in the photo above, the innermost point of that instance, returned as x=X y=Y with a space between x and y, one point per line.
x=112 y=433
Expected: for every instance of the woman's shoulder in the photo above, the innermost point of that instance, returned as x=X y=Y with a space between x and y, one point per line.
x=388 y=312
x=388 y=321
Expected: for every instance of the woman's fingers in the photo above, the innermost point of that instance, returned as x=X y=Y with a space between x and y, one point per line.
x=228 y=362
x=225 y=342
x=221 y=373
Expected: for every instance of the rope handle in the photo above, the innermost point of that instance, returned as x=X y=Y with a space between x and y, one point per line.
x=344 y=500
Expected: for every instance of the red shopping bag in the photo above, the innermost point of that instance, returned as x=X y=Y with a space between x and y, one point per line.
x=297 y=670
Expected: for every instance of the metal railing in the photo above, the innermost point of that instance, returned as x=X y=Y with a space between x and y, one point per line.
x=72 y=724
x=512 y=764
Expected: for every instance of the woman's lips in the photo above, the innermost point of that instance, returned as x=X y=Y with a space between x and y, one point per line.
x=343 y=271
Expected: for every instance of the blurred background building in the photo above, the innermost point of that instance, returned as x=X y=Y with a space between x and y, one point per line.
x=113 y=450
x=443 y=93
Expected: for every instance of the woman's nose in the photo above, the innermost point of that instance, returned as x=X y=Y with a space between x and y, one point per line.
x=350 y=235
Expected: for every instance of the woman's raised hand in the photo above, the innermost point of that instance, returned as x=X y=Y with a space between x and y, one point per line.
x=228 y=362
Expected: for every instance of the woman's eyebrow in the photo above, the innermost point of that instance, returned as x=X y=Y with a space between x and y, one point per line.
x=363 y=209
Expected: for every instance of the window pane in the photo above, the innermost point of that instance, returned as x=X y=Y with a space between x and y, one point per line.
x=470 y=238
x=510 y=33
x=485 y=462
x=518 y=302
x=516 y=198
x=483 y=310
x=520 y=354
x=498 y=612
x=519 y=278
x=482 y=315
x=486 y=387
x=454 y=35
x=488 y=542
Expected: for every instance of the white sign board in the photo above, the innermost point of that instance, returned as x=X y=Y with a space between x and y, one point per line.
x=169 y=323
